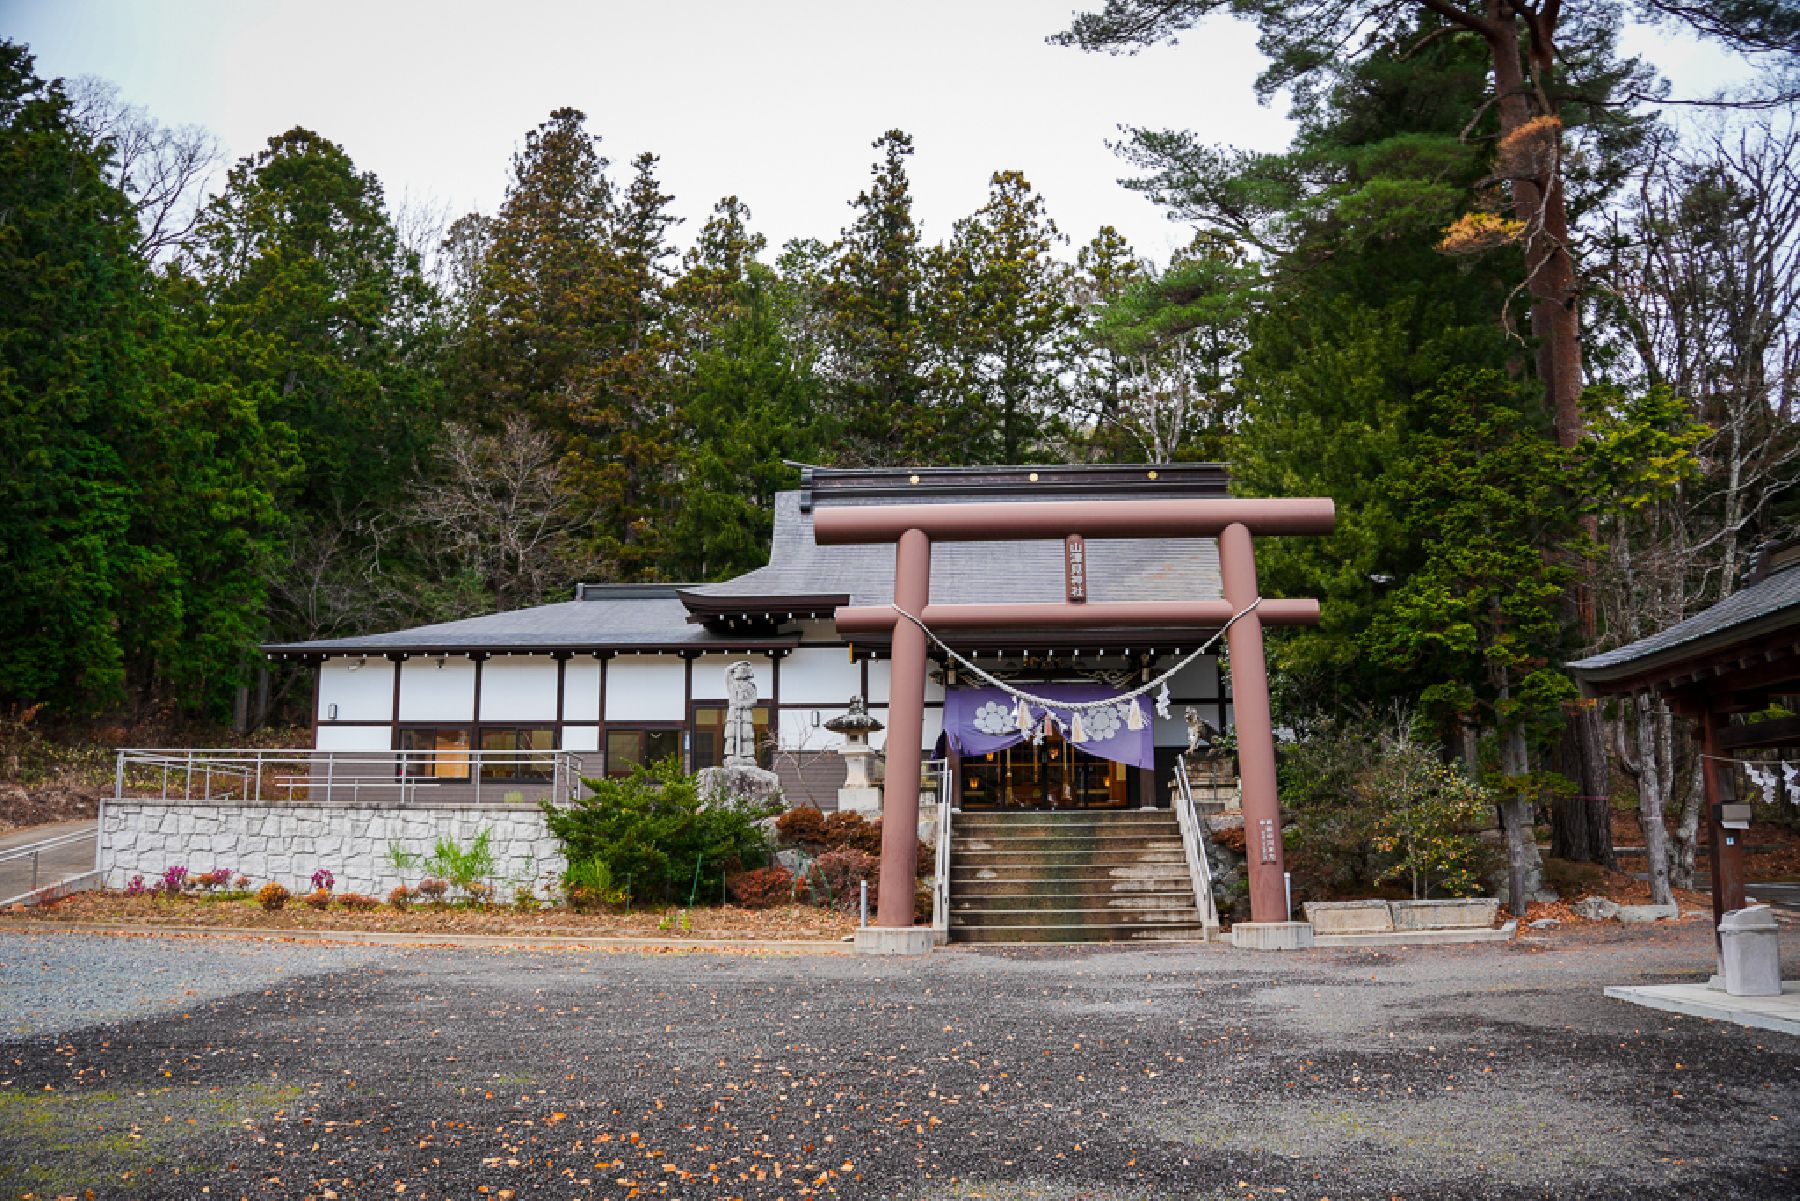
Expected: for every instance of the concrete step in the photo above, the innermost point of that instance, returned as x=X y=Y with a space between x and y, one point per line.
x=1052 y=822
x=1040 y=919
x=1071 y=875
x=1053 y=905
x=1047 y=844
x=1096 y=858
x=1070 y=891
x=1116 y=932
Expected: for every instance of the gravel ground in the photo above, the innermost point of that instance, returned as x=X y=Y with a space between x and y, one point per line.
x=166 y=1068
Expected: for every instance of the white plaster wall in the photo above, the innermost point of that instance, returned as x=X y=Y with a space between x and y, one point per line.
x=581 y=738
x=798 y=732
x=581 y=690
x=356 y=738
x=1198 y=680
x=819 y=676
x=709 y=676
x=287 y=843
x=430 y=692
x=518 y=688
x=645 y=688
x=361 y=693
x=880 y=673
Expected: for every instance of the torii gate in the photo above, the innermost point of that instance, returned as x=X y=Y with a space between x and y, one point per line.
x=913 y=528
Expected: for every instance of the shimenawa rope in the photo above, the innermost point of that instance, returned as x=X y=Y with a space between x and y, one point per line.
x=1046 y=703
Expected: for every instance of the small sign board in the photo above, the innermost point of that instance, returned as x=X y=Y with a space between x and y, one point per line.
x=1075 y=577
x=1265 y=830
x=1733 y=817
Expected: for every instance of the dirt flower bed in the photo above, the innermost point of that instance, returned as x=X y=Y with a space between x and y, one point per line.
x=721 y=921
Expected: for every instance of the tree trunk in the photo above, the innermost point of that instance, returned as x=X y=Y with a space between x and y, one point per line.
x=1581 y=825
x=1687 y=828
x=1525 y=868
x=1651 y=725
x=1539 y=202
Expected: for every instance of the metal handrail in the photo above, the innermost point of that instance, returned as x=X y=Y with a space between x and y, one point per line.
x=940 y=884
x=34 y=849
x=48 y=844
x=234 y=775
x=1187 y=817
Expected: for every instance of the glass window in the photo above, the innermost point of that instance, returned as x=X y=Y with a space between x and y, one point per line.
x=626 y=748
x=709 y=736
x=516 y=752
x=436 y=753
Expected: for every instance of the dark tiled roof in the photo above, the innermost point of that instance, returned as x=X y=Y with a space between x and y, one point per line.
x=804 y=577
x=1742 y=618
x=625 y=616
x=973 y=572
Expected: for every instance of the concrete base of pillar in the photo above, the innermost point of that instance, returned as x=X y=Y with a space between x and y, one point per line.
x=1272 y=936
x=895 y=940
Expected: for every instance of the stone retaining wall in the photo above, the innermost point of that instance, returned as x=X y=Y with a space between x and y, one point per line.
x=286 y=843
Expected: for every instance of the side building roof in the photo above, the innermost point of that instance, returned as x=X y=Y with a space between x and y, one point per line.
x=1755 y=618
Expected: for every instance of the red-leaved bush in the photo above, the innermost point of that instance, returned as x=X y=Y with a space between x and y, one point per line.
x=763 y=887
x=840 y=870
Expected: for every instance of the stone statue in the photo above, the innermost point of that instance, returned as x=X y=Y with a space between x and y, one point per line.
x=740 y=782
x=740 y=720
x=1200 y=734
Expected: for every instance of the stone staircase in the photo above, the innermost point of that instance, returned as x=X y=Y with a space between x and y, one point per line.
x=1078 y=876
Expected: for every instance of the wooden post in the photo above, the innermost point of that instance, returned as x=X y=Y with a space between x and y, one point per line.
x=1726 y=850
x=1255 y=731
x=905 y=733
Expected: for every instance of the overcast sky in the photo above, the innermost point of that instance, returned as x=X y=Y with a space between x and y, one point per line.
x=775 y=101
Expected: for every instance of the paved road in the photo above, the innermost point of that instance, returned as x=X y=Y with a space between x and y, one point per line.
x=165 y=1068
x=53 y=865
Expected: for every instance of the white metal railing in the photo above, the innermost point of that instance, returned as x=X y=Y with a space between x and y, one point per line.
x=33 y=850
x=258 y=775
x=1193 y=846
x=938 y=770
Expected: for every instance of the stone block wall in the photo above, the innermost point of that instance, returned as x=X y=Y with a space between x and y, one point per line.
x=286 y=843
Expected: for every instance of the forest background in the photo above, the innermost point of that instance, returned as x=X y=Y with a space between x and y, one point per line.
x=1530 y=320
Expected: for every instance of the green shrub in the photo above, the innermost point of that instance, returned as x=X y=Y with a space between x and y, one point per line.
x=1370 y=805
x=588 y=884
x=652 y=832
x=463 y=868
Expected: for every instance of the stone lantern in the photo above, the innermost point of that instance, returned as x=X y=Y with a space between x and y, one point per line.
x=859 y=793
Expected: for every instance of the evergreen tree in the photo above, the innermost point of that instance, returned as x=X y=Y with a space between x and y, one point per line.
x=306 y=303
x=998 y=319
x=747 y=402
x=136 y=518
x=873 y=326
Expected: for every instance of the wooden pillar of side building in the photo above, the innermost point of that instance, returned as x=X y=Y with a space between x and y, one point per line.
x=1255 y=730
x=1726 y=850
x=905 y=734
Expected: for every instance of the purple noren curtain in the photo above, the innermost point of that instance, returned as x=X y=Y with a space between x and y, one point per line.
x=979 y=720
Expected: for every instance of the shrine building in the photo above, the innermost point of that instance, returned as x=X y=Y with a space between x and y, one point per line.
x=1068 y=584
